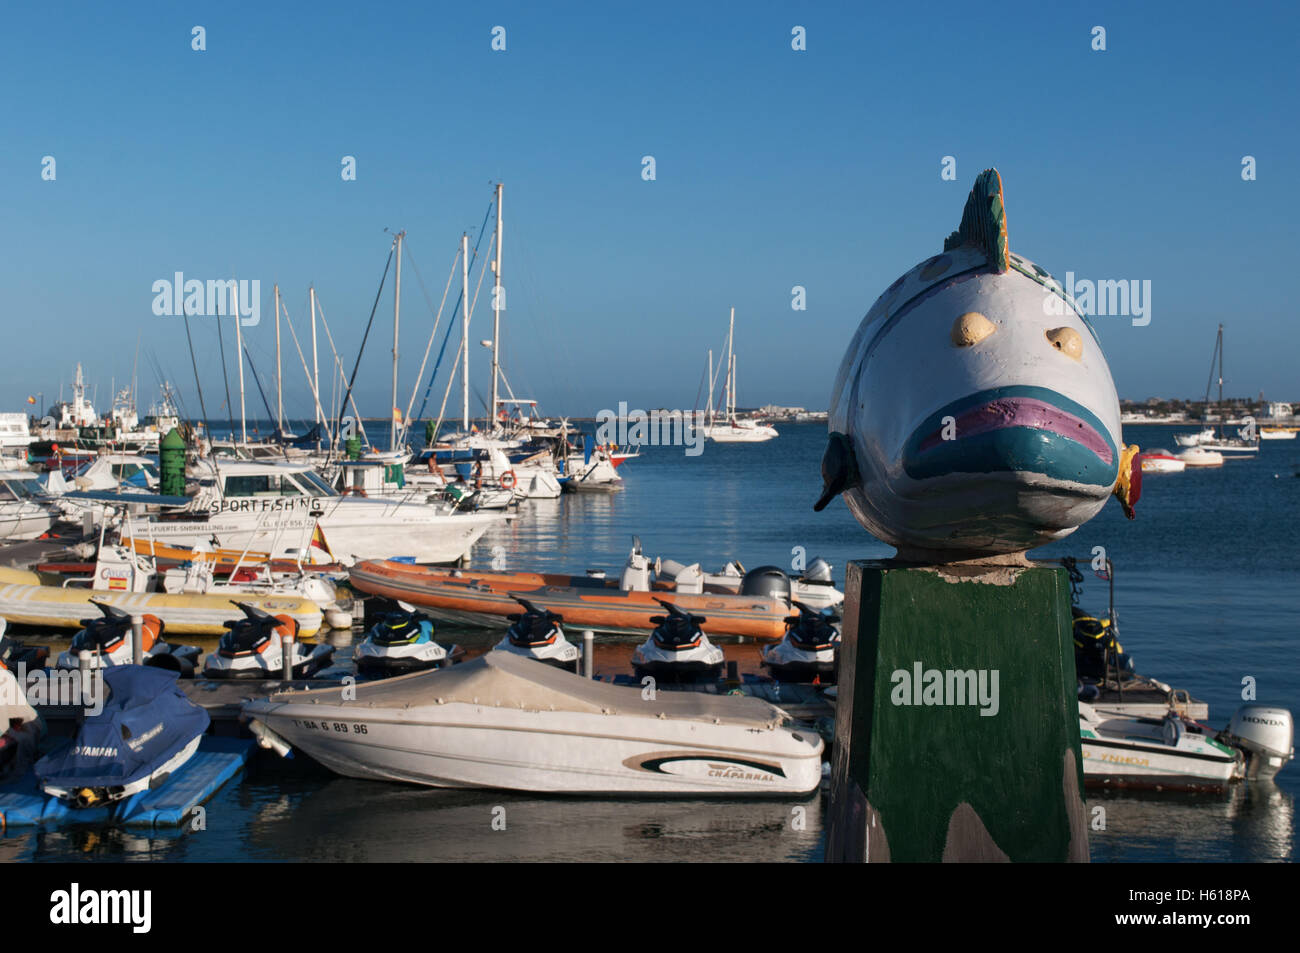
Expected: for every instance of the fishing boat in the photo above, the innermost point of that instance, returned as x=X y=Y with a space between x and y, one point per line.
x=1161 y=461
x=506 y=722
x=731 y=428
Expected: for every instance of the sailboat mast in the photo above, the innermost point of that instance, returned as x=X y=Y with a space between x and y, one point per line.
x=397 y=311
x=464 y=330
x=731 y=331
x=239 y=347
x=709 y=413
x=496 y=317
x=315 y=366
x=279 y=375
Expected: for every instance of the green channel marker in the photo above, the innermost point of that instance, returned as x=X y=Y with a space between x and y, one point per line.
x=957 y=722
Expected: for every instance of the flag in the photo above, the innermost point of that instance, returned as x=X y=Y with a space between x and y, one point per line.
x=318 y=541
x=31 y=400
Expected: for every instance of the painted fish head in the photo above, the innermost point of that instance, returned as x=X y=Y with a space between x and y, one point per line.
x=977 y=411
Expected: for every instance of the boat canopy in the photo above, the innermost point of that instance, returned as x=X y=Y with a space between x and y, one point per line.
x=503 y=680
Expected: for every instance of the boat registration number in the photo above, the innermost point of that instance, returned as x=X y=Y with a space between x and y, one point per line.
x=341 y=727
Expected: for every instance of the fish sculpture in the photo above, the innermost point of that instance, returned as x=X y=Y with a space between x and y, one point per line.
x=974 y=414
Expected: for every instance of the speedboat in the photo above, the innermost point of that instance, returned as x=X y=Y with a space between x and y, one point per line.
x=253 y=648
x=1165 y=754
x=1204 y=436
x=402 y=642
x=535 y=633
x=108 y=641
x=25 y=510
x=1176 y=753
x=1201 y=457
x=502 y=721
x=810 y=648
x=1276 y=433
x=145 y=732
x=678 y=650
x=1160 y=461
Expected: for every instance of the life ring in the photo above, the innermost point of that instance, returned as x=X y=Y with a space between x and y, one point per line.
x=508 y=480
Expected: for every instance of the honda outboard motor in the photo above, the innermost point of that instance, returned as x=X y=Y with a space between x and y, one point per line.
x=1265 y=734
x=252 y=648
x=536 y=633
x=108 y=639
x=766 y=581
x=810 y=648
x=402 y=641
x=677 y=650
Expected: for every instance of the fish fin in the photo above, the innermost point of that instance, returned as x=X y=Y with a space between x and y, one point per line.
x=839 y=469
x=984 y=221
x=1129 y=485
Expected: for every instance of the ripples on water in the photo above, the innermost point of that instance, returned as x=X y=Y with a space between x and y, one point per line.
x=1205 y=583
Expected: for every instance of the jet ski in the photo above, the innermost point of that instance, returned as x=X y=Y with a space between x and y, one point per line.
x=21 y=725
x=677 y=650
x=810 y=648
x=108 y=640
x=536 y=633
x=14 y=654
x=252 y=648
x=145 y=732
x=402 y=641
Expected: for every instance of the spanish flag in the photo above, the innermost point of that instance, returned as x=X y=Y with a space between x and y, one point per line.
x=31 y=400
x=318 y=541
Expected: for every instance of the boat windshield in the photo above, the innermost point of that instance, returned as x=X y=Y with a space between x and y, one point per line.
x=316 y=485
x=13 y=489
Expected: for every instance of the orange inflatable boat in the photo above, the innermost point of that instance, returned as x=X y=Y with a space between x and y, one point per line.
x=483 y=598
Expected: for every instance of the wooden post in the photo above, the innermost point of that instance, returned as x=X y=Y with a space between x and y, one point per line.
x=957 y=726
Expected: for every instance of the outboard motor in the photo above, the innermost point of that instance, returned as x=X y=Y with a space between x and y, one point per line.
x=677 y=650
x=108 y=639
x=1096 y=650
x=1265 y=734
x=536 y=633
x=810 y=648
x=636 y=572
x=766 y=581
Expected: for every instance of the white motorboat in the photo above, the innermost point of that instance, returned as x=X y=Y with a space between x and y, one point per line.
x=1168 y=753
x=1201 y=457
x=731 y=428
x=25 y=511
x=1161 y=461
x=1195 y=439
x=1276 y=433
x=265 y=506
x=502 y=721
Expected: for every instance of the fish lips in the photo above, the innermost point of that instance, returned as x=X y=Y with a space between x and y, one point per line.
x=1031 y=430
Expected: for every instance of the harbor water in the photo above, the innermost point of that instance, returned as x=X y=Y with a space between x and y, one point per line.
x=1205 y=581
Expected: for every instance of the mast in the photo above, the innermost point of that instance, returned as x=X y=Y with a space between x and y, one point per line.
x=729 y=396
x=709 y=413
x=496 y=317
x=464 y=330
x=397 y=305
x=315 y=367
x=239 y=346
x=279 y=374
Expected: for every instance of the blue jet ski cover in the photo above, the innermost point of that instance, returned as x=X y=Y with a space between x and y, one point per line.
x=146 y=721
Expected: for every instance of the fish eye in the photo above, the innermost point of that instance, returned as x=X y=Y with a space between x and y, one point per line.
x=971 y=328
x=1068 y=341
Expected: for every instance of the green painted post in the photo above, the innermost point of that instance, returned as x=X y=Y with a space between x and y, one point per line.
x=957 y=725
x=171 y=464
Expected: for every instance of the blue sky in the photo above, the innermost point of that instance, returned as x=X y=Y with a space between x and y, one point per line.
x=775 y=168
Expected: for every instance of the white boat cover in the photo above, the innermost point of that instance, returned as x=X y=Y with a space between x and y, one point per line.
x=503 y=680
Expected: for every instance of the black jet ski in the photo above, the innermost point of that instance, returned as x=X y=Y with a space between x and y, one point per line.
x=810 y=648
x=535 y=633
x=677 y=650
x=145 y=732
x=108 y=640
x=253 y=648
x=402 y=641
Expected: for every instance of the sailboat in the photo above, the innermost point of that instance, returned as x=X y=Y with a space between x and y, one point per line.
x=732 y=429
x=1244 y=445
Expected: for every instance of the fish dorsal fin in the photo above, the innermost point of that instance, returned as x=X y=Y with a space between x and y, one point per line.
x=984 y=221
